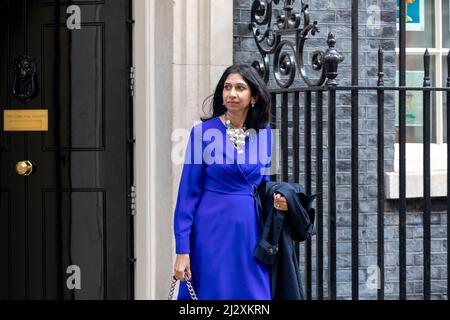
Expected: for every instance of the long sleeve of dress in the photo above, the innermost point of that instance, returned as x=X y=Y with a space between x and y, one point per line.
x=189 y=192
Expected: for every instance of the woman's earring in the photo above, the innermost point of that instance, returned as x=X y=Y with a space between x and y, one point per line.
x=253 y=105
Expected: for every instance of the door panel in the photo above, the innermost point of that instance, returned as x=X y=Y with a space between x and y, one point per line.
x=84 y=236
x=4 y=62
x=5 y=216
x=72 y=212
x=81 y=90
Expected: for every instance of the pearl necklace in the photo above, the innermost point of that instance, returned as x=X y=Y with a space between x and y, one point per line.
x=236 y=135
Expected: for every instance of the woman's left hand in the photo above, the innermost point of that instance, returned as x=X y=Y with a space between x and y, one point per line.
x=279 y=202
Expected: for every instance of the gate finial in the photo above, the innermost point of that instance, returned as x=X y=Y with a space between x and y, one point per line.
x=332 y=59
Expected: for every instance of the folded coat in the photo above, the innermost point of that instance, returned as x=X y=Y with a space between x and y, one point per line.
x=276 y=244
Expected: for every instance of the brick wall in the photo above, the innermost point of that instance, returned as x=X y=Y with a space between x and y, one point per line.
x=335 y=16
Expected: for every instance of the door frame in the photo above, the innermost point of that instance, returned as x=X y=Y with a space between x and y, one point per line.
x=152 y=126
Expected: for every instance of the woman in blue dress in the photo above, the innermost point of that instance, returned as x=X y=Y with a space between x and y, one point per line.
x=217 y=221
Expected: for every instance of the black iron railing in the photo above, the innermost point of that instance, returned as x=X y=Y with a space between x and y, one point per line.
x=280 y=37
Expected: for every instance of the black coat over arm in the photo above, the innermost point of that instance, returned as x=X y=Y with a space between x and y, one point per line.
x=281 y=228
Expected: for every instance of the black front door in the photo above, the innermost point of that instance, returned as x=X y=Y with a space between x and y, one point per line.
x=65 y=229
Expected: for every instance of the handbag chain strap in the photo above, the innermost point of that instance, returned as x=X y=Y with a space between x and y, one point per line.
x=189 y=285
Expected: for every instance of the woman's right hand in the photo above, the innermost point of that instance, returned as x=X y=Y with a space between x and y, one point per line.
x=182 y=266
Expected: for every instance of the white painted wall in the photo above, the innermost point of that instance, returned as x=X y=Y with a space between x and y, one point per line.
x=181 y=48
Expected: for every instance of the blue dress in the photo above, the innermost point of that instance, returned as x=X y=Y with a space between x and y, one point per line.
x=217 y=219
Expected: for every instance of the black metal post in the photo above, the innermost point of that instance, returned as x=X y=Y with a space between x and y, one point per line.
x=296 y=136
x=296 y=147
x=308 y=188
x=380 y=177
x=319 y=190
x=273 y=111
x=332 y=193
x=426 y=179
x=284 y=136
x=355 y=145
x=332 y=59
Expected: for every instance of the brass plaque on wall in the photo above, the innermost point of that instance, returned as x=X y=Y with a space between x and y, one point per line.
x=25 y=120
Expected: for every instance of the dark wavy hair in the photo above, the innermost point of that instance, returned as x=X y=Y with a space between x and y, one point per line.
x=257 y=117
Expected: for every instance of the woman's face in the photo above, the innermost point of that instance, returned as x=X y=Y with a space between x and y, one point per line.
x=236 y=93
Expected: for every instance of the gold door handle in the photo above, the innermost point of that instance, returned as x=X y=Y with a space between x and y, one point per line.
x=24 y=168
